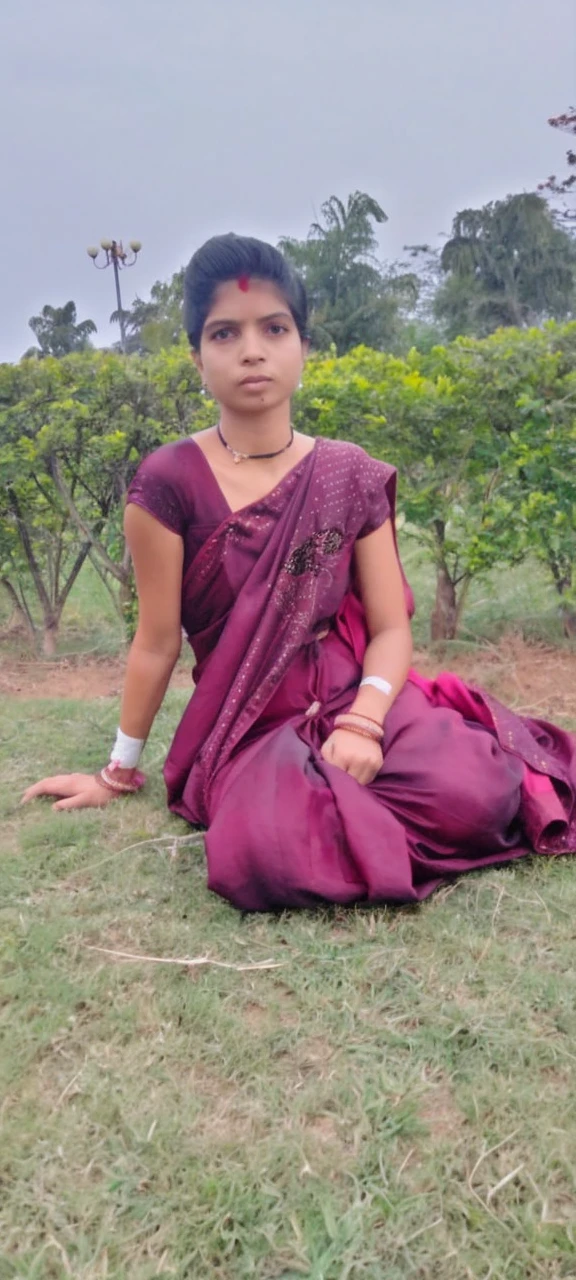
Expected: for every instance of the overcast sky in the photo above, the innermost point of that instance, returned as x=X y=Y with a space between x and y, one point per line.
x=169 y=120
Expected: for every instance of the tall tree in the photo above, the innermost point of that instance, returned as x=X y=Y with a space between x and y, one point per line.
x=59 y=332
x=353 y=300
x=154 y=325
x=505 y=264
x=41 y=552
x=564 y=188
x=72 y=433
x=422 y=329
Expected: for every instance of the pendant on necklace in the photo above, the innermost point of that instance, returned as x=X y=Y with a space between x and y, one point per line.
x=253 y=457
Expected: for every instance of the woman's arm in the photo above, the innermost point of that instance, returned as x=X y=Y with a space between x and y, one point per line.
x=157 y=554
x=388 y=654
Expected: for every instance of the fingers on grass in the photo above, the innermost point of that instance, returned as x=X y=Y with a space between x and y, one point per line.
x=47 y=787
x=76 y=802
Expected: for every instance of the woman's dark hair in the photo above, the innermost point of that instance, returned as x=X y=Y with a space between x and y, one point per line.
x=233 y=257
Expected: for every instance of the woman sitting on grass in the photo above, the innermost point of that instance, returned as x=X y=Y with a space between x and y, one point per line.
x=323 y=768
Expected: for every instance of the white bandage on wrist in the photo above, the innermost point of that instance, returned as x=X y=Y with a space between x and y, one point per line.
x=383 y=686
x=126 y=751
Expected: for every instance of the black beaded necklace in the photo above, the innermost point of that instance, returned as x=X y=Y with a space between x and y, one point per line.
x=251 y=457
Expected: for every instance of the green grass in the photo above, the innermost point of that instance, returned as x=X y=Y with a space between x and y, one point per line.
x=353 y=1114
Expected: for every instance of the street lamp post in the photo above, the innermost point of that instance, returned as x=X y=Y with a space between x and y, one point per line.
x=116 y=257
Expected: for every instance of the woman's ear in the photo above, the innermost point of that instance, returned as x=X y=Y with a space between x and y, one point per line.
x=197 y=361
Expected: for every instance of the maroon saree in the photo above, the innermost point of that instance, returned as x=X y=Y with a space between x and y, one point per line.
x=278 y=634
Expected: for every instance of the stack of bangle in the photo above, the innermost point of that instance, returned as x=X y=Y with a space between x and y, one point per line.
x=113 y=784
x=126 y=753
x=364 y=726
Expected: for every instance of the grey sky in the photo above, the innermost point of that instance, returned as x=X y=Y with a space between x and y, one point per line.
x=171 y=120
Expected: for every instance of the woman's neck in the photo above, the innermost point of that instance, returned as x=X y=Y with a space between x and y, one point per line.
x=258 y=432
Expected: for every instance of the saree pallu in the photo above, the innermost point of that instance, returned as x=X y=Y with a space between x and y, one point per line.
x=278 y=633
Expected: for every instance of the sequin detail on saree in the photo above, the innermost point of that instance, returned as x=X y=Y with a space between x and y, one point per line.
x=305 y=559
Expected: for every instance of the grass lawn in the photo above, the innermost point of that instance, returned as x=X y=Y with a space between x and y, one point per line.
x=395 y=1099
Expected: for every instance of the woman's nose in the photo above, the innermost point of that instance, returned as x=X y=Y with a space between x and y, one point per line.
x=251 y=349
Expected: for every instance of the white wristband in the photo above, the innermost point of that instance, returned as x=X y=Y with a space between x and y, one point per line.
x=383 y=686
x=126 y=751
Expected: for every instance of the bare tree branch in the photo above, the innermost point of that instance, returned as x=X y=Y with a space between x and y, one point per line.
x=115 y=569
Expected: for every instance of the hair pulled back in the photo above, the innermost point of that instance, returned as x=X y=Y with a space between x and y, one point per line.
x=233 y=257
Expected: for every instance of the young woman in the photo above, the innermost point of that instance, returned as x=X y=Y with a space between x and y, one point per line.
x=322 y=767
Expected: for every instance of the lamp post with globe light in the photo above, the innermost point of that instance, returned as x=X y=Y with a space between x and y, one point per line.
x=116 y=257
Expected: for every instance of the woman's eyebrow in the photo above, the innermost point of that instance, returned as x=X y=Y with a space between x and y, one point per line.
x=222 y=324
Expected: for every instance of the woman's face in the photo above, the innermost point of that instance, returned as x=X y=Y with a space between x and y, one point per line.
x=251 y=354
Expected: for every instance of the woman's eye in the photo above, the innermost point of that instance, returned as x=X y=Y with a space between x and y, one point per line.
x=277 y=328
x=221 y=335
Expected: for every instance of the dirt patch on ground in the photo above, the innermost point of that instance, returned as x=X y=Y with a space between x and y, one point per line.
x=532 y=679
x=323 y=1130
x=438 y=1111
x=313 y=1057
x=255 y=1016
x=78 y=678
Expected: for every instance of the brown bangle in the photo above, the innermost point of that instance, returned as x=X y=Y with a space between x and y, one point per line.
x=376 y=730
x=120 y=788
x=360 y=716
x=103 y=783
x=362 y=733
x=357 y=722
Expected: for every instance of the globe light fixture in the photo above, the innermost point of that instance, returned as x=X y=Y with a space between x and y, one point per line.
x=116 y=256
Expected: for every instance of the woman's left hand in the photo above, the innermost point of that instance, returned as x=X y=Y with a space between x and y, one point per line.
x=360 y=757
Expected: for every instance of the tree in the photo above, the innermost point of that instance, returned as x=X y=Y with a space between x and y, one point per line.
x=564 y=188
x=482 y=430
x=505 y=264
x=540 y=464
x=426 y=415
x=421 y=328
x=157 y=324
x=59 y=332
x=353 y=301
x=72 y=433
x=484 y=437
x=41 y=555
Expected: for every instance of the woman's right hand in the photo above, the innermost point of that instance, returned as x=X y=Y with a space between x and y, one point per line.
x=74 y=791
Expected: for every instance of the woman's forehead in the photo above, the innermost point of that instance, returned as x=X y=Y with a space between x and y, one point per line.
x=246 y=298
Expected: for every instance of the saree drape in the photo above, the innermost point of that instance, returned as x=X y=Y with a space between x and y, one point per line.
x=277 y=629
